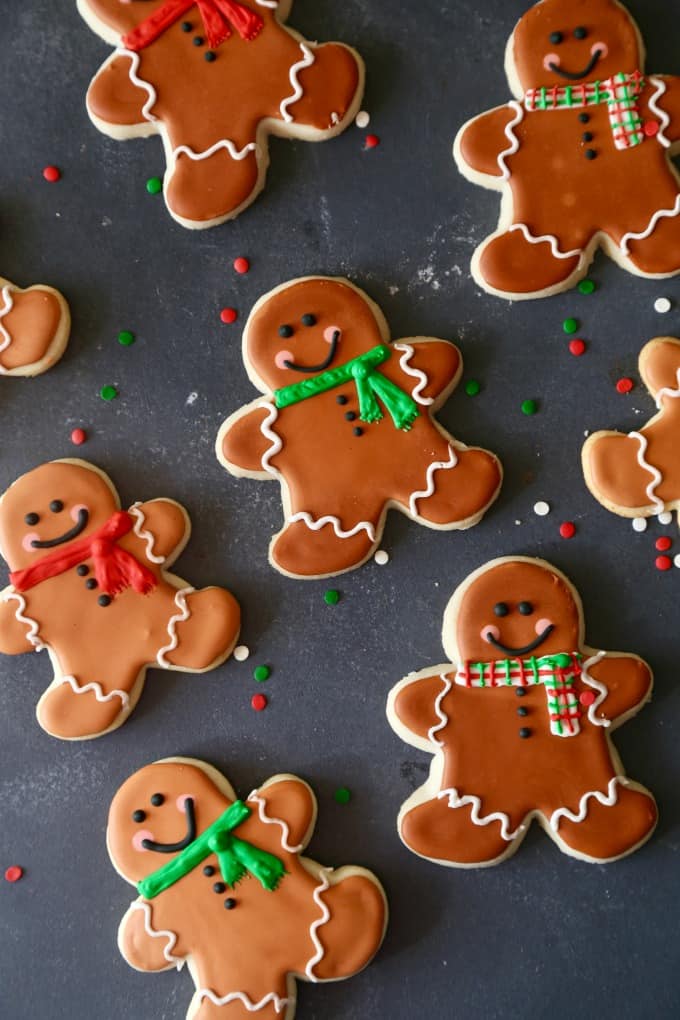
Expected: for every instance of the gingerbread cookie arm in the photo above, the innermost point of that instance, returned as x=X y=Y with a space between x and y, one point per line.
x=414 y=706
x=164 y=526
x=18 y=632
x=328 y=86
x=144 y=947
x=664 y=103
x=247 y=441
x=118 y=99
x=288 y=805
x=434 y=365
x=482 y=144
x=660 y=367
x=625 y=681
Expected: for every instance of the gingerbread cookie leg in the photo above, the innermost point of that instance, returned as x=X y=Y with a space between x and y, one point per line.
x=202 y=1008
x=217 y=184
x=320 y=547
x=606 y=824
x=457 y=831
x=74 y=707
x=516 y=262
x=204 y=630
x=34 y=329
x=331 y=87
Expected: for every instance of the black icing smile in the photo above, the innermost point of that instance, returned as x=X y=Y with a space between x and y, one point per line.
x=49 y=543
x=528 y=649
x=577 y=75
x=172 y=848
x=323 y=365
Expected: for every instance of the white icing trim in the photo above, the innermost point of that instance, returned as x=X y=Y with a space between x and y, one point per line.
x=266 y=430
x=668 y=392
x=224 y=143
x=416 y=373
x=457 y=802
x=245 y=1000
x=660 y=214
x=139 y=82
x=592 y=682
x=184 y=614
x=154 y=934
x=264 y=817
x=325 y=916
x=307 y=60
x=27 y=621
x=97 y=690
x=9 y=304
x=438 y=709
x=607 y=800
x=512 y=138
x=658 y=112
x=657 y=477
x=272 y=4
x=317 y=525
x=437 y=465
x=549 y=238
x=144 y=533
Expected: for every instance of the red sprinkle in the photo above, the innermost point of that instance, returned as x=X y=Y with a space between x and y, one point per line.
x=259 y=702
x=78 y=437
x=664 y=543
x=52 y=174
x=568 y=529
x=13 y=873
x=651 y=128
x=241 y=265
x=664 y=563
x=586 y=698
x=228 y=315
x=577 y=347
x=624 y=385
x=372 y=141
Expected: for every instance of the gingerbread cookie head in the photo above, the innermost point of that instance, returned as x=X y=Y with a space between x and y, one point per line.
x=562 y=42
x=307 y=327
x=51 y=506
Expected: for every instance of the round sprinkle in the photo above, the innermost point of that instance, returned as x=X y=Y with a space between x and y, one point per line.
x=241 y=265
x=587 y=698
x=126 y=338
x=372 y=142
x=570 y=326
x=567 y=529
x=651 y=128
x=78 y=437
x=662 y=305
x=625 y=385
x=331 y=597
x=577 y=347
x=14 y=873
x=259 y=702
x=52 y=174
x=472 y=387
x=363 y=119
x=529 y=407
x=639 y=525
x=587 y=286
x=541 y=509
x=342 y=795
x=261 y=673
x=108 y=393
x=228 y=315
x=154 y=185
x=677 y=561
x=663 y=563
x=381 y=557
x=664 y=543
x=241 y=653
x=665 y=518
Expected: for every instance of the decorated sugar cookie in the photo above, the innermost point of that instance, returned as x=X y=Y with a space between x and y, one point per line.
x=34 y=328
x=638 y=475
x=581 y=153
x=519 y=723
x=223 y=886
x=89 y=583
x=215 y=78
x=346 y=425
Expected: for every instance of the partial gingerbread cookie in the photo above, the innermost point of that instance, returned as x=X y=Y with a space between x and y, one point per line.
x=215 y=78
x=347 y=426
x=519 y=724
x=638 y=475
x=223 y=886
x=89 y=583
x=571 y=151
x=34 y=328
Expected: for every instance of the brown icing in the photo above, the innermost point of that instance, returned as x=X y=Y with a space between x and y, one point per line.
x=251 y=951
x=37 y=325
x=497 y=750
x=556 y=190
x=326 y=470
x=109 y=646
x=612 y=461
x=238 y=96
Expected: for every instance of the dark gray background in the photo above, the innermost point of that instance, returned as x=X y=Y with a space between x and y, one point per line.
x=540 y=935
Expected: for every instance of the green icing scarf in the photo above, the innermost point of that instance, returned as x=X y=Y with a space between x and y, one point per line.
x=371 y=386
x=236 y=858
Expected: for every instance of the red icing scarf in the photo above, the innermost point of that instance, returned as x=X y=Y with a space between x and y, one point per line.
x=219 y=16
x=115 y=568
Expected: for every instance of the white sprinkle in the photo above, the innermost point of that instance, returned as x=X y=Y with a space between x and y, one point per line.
x=363 y=119
x=666 y=517
x=381 y=557
x=639 y=525
x=518 y=522
x=541 y=509
x=677 y=561
x=241 y=653
x=191 y=399
x=662 y=305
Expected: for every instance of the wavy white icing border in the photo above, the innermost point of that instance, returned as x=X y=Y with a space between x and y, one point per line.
x=543 y=239
x=157 y=934
x=224 y=143
x=475 y=802
x=184 y=614
x=668 y=392
x=9 y=304
x=512 y=138
x=437 y=465
x=440 y=713
x=264 y=817
x=607 y=800
x=600 y=687
x=266 y=430
x=657 y=477
x=27 y=621
x=658 y=112
x=660 y=214
x=415 y=373
x=96 y=689
x=252 y=1007
x=144 y=533
x=325 y=917
x=308 y=59
x=317 y=525
x=139 y=82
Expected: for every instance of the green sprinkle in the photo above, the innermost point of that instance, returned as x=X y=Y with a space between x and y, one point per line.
x=108 y=393
x=154 y=185
x=529 y=406
x=586 y=286
x=261 y=673
x=342 y=795
x=472 y=387
x=570 y=326
x=332 y=597
x=126 y=338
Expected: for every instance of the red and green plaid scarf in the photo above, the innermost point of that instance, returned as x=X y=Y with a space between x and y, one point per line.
x=620 y=93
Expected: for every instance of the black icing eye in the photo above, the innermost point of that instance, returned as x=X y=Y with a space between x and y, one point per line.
x=556 y=38
x=31 y=519
x=138 y=815
x=286 y=332
x=56 y=506
x=526 y=608
x=309 y=319
x=501 y=609
x=580 y=32
x=157 y=799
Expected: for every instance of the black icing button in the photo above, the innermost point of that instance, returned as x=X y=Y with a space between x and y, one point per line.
x=520 y=692
x=209 y=870
x=525 y=732
x=82 y=570
x=357 y=431
x=587 y=136
x=350 y=415
x=210 y=56
x=584 y=118
x=104 y=601
x=341 y=400
x=591 y=154
x=219 y=887
x=230 y=903
x=91 y=583
x=522 y=711
x=198 y=40
x=186 y=26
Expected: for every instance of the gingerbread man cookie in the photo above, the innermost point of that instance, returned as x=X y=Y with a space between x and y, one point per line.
x=223 y=886
x=346 y=425
x=581 y=154
x=519 y=723
x=638 y=475
x=89 y=583
x=215 y=78
x=34 y=328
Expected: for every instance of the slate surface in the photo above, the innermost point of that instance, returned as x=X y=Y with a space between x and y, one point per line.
x=540 y=935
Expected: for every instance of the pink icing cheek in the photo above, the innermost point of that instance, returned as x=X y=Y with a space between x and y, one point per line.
x=542 y=625
x=282 y=357
x=28 y=539
x=551 y=58
x=601 y=48
x=137 y=840
x=490 y=632
x=182 y=799
x=329 y=334
x=76 y=511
